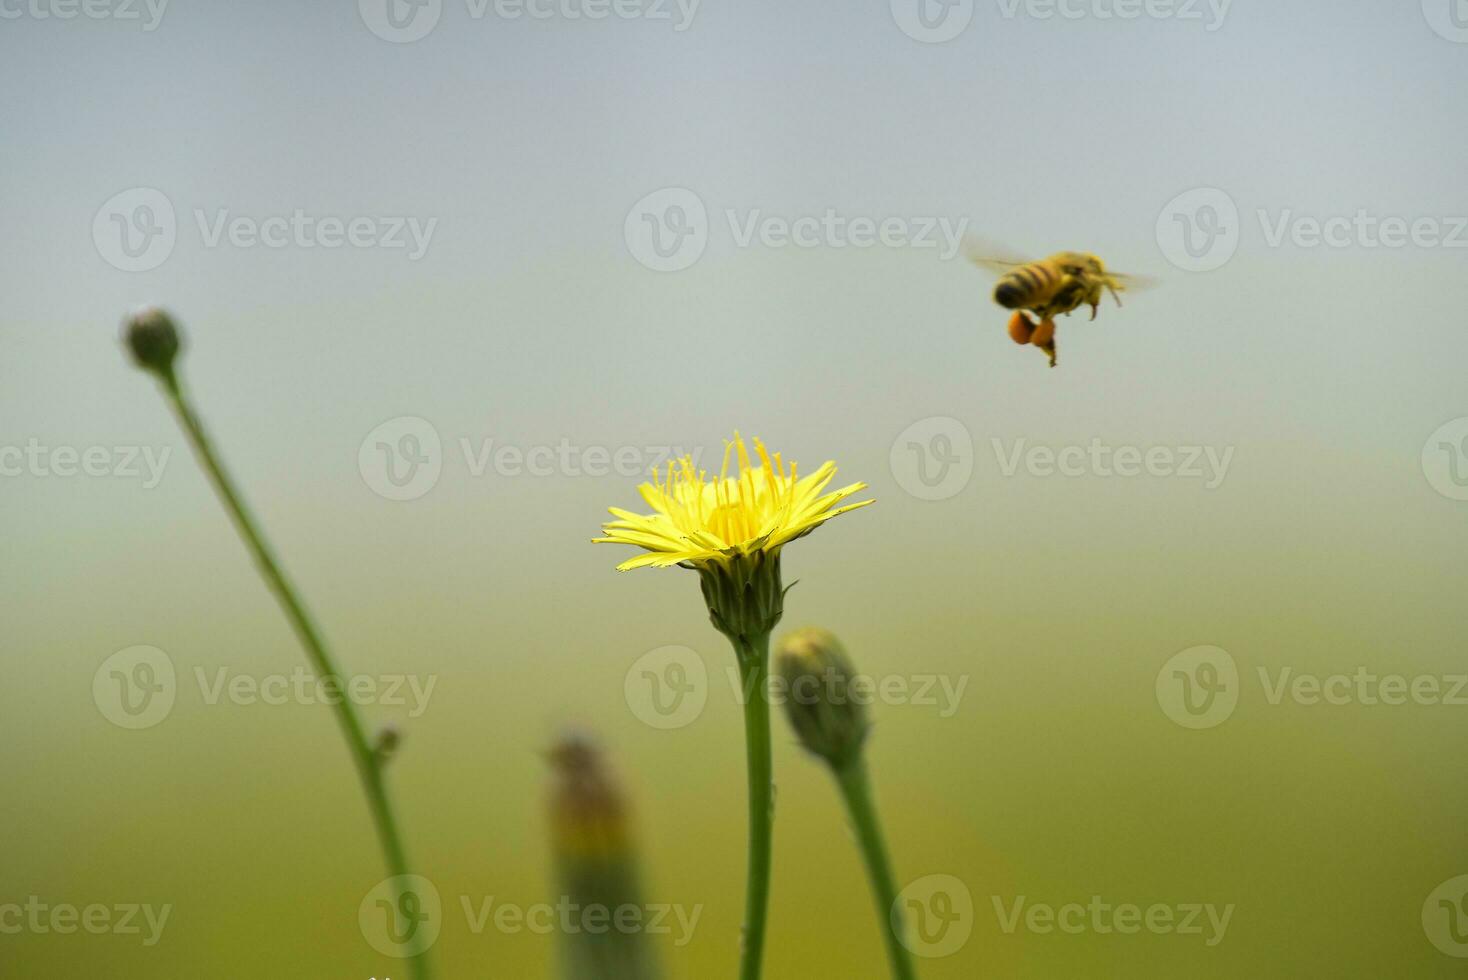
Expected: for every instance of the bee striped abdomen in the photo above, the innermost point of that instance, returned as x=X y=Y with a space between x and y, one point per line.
x=1025 y=286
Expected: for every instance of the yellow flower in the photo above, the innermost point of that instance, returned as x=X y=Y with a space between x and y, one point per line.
x=698 y=521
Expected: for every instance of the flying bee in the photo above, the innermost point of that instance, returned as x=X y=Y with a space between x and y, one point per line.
x=1039 y=291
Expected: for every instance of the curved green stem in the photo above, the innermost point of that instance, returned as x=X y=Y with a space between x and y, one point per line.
x=369 y=767
x=754 y=669
x=856 y=790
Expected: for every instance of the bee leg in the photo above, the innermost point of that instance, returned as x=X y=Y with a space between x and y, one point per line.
x=1094 y=308
x=1044 y=338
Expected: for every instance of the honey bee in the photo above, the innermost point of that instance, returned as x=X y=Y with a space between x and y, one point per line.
x=1041 y=290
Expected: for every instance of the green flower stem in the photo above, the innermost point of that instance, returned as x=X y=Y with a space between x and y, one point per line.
x=367 y=763
x=754 y=669
x=856 y=790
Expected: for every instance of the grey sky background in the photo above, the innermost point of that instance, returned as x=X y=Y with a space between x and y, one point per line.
x=529 y=320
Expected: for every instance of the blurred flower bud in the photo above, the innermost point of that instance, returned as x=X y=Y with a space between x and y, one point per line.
x=818 y=699
x=587 y=809
x=596 y=863
x=152 y=339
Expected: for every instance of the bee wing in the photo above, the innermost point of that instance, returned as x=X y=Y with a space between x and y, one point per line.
x=987 y=255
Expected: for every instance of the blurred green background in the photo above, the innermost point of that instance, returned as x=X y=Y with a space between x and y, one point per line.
x=1059 y=599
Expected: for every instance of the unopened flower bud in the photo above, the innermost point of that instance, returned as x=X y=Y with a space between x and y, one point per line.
x=596 y=862
x=587 y=806
x=152 y=338
x=819 y=700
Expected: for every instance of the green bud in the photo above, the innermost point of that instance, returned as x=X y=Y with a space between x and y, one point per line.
x=152 y=338
x=819 y=700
